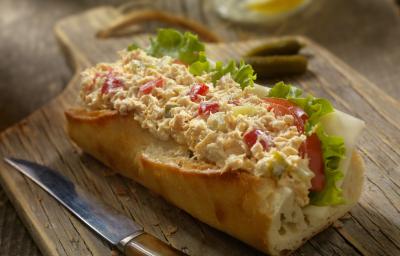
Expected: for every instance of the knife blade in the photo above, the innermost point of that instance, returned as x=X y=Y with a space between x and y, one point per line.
x=101 y=218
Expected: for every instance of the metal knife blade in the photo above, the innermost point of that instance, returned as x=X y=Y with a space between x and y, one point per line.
x=107 y=222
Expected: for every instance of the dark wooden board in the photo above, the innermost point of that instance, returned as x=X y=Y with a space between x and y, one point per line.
x=372 y=227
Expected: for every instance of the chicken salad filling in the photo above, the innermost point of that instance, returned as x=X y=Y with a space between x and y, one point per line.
x=221 y=116
x=220 y=124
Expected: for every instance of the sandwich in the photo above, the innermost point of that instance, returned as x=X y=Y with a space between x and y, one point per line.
x=270 y=166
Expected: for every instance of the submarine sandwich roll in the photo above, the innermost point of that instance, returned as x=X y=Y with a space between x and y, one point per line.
x=269 y=166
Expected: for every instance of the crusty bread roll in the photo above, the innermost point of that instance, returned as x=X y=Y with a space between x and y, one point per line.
x=245 y=206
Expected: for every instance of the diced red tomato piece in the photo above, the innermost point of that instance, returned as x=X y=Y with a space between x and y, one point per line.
x=313 y=150
x=251 y=138
x=206 y=108
x=283 y=107
x=110 y=83
x=148 y=87
x=196 y=90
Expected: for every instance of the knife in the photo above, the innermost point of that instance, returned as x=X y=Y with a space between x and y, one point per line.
x=104 y=220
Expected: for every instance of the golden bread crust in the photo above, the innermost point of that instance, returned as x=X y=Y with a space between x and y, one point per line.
x=237 y=203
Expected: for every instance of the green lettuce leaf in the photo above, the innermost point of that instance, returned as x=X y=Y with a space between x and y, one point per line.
x=287 y=91
x=220 y=70
x=132 y=46
x=333 y=149
x=243 y=73
x=185 y=47
x=314 y=107
x=201 y=66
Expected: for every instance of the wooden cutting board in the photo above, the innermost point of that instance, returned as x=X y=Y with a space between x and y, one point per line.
x=371 y=228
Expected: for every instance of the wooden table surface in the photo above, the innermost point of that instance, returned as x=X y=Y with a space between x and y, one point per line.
x=364 y=33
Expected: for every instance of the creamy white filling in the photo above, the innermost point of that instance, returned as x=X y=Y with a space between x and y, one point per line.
x=216 y=138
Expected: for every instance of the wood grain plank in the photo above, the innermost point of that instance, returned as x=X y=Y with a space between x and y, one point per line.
x=14 y=239
x=373 y=227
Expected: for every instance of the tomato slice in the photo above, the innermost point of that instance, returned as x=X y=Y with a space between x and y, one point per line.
x=283 y=107
x=313 y=150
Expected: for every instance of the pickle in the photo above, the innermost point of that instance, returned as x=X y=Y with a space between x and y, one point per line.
x=285 y=46
x=278 y=66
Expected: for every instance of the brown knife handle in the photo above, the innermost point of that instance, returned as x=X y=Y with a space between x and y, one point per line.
x=147 y=245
